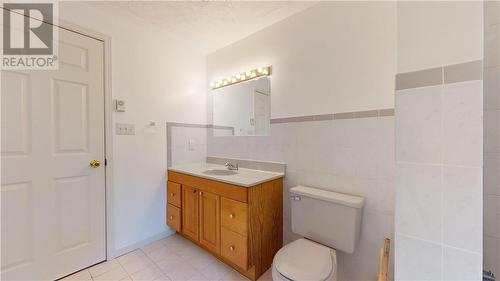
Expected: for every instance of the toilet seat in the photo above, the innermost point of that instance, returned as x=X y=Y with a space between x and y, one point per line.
x=304 y=260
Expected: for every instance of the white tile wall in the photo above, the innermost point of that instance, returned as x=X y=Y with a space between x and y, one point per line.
x=461 y=265
x=182 y=151
x=354 y=156
x=462 y=124
x=439 y=182
x=419 y=200
x=419 y=128
x=492 y=138
x=418 y=259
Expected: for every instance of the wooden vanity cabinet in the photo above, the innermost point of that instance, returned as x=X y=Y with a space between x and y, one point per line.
x=242 y=226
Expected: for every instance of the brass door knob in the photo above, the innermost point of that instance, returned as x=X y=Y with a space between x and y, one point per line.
x=171 y=217
x=231 y=216
x=231 y=248
x=95 y=163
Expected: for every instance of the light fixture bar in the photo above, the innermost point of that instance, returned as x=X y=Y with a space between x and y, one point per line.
x=241 y=77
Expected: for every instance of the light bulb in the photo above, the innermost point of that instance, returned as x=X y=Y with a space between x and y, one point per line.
x=238 y=76
x=233 y=79
x=213 y=84
x=266 y=71
x=242 y=76
x=248 y=73
x=260 y=70
x=253 y=73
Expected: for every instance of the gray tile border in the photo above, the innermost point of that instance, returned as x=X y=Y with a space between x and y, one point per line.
x=386 y=112
x=249 y=164
x=421 y=78
x=366 y=114
x=323 y=117
x=336 y=116
x=344 y=115
x=463 y=72
x=467 y=71
x=292 y=119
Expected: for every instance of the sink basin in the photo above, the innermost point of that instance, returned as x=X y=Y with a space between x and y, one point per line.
x=219 y=172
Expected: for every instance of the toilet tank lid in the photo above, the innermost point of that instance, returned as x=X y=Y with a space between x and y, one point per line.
x=331 y=196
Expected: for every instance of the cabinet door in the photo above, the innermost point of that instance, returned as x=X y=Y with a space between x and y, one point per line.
x=190 y=203
x=210 y=221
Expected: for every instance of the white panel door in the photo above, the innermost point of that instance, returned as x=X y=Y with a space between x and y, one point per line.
x=52 y=201
x=262 y=113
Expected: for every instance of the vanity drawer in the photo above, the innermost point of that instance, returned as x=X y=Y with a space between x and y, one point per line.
x=234 y=215
x=174 y=194
x=234 y=248
x=174 y=217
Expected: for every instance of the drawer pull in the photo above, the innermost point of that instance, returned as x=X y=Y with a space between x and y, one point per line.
x=172 y=194
x=171 y=217
x=231 y=216
x=201 y=193
x=231 y=248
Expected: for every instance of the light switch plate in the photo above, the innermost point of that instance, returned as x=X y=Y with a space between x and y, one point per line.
x=124 y=129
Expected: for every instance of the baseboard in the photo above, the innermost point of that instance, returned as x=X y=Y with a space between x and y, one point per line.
x=137 y=245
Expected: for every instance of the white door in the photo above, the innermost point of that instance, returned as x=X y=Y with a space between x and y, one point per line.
x=262 y=113
x=52 y=201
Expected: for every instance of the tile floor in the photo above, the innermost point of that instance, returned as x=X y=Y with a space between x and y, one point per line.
x=171 y=259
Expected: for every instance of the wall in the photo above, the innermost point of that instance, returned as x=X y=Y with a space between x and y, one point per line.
x=332 y=57
x=491 y=171
x=320 y=69
x=439 y=154
x=159 y=78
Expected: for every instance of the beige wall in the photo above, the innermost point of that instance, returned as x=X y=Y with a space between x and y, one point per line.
x=437 y=33
x=160 y=78
x=332 y=57
x=492 y=138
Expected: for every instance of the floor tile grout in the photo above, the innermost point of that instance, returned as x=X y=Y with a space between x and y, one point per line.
x=184 y=253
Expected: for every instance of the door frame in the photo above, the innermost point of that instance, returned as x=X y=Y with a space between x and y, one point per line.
x=108 y=127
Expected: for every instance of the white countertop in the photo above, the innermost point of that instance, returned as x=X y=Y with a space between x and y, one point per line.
x=243 y=177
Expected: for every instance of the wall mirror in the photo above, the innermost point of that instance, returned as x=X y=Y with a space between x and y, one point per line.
x=243 y=109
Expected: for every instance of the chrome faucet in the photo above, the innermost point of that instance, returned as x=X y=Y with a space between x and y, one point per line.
x=231 y=166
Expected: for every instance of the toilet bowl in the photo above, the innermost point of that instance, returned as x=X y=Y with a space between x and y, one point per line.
x=328 y=221
x=305 y=260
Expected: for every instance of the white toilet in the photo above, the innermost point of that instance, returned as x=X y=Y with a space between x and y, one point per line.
x=328 y=221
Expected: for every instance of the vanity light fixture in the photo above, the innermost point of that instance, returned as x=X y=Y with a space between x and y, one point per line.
x=241 y=77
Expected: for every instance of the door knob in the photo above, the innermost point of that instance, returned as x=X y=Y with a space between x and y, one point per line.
x=95 y=163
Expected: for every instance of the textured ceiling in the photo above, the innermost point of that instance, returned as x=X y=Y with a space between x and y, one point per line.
x=207 y=25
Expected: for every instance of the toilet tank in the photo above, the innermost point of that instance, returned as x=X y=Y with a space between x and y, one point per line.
x=330 y=218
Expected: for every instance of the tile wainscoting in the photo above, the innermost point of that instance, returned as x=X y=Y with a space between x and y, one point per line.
x=439 y=154
x=350 y=152
x=491 y=171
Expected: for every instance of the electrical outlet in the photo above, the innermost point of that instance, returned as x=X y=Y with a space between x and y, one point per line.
x=125 y=129
x=191 y=146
